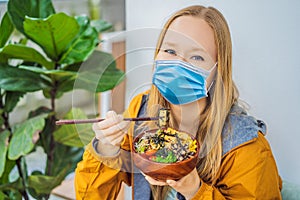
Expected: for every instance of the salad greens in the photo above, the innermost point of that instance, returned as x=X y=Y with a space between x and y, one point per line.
x=164 y=156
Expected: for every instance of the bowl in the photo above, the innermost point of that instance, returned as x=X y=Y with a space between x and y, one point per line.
x=163 y=171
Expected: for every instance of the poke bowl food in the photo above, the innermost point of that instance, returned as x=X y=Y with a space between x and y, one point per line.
x=165 y=153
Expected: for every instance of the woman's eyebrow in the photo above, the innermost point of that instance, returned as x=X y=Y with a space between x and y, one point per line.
x=197 y=49
x=171 y=44
x=192 y=48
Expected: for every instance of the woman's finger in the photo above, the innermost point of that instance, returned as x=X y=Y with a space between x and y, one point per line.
x=184 y=185
x=107 y=135
x=117 y=141
x=172 y=183
x=113 y=135
x=155 y=182
x=117 y=138
x=122 y=126
x=115 y=129
x=111 y=119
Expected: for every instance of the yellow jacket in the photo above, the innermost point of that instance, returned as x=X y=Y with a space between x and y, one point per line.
x=248 y=171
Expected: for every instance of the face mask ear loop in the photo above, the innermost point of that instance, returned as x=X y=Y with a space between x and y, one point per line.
x=215 y=65
x=212 y=83
x=210 y=86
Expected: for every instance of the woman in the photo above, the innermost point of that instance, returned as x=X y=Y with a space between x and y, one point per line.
x=193 y=78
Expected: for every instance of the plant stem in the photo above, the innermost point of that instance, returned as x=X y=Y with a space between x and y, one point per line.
x=4 y=115
x=22 y=176
x=50 y=156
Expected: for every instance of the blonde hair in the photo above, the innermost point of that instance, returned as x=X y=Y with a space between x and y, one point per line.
x=221 y=98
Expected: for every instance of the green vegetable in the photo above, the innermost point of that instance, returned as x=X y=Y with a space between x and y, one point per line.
x=141 y=149
x=164 y=156
x=141 y=146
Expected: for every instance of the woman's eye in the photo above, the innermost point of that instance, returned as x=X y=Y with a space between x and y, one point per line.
x=198 y=58
x=170 y=51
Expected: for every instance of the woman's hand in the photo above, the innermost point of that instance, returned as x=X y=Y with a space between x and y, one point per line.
x=187 y=186
x=110 y=133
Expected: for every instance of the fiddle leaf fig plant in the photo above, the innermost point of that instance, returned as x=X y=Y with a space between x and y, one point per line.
x=53 y=53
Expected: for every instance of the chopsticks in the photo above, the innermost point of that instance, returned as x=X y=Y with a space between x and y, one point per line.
x=163 y=118
x=84 y=121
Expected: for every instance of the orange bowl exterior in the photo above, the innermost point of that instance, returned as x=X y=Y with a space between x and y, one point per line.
x=163 y=171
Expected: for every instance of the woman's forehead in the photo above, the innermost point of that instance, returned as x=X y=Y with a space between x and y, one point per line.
x=193 y=32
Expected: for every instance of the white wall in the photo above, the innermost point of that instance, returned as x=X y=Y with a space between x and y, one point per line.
x=266 y=67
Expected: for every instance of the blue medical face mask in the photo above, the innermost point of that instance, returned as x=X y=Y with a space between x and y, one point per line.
x=180 y=82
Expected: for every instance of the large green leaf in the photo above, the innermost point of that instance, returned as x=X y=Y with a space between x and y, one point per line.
x=45 y=137
x=15 y=185
x=74 y=135
x=53 y=73
x=66 y=155
x=83 y=45
x=59 y=92
x=53 y=34
x=15 y=79
x=43 y=184
x=9 y=166
x=99 y=73
x=13 y=189
x=6 y=29
x=3 y=149
x=11 y=100
x=64 y=84
x=18 y=9
x=25 y=53
x=64 y=79
x=21 y=142
x=101 y=25
x=3 y=196
x=11 y=195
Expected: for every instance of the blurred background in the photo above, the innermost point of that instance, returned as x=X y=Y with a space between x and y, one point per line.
x=266 y=52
